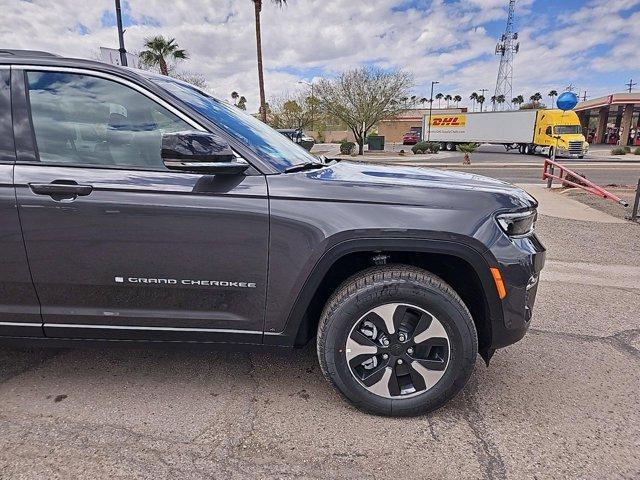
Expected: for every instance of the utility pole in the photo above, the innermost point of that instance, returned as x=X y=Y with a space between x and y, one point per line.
x=584 y=96
x=630 y=84
x=123 y=52
x=482 y=92
x=507 y=48
x=430 y=110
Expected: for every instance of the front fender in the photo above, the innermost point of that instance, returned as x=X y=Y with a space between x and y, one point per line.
x=293 y=312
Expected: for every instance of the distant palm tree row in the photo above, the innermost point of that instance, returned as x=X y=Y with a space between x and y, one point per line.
x=498 y=100
x=414 y=99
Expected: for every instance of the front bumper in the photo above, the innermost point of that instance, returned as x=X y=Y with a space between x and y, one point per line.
x=520 y=267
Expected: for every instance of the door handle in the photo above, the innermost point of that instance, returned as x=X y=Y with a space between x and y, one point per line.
x=61 y=190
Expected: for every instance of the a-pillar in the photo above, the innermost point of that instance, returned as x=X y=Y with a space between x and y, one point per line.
x=625 y=125
x=602 y=125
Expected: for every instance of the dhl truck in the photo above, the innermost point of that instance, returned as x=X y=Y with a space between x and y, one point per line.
x=529 y=131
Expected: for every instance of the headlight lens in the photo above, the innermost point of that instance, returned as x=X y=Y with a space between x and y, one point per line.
x=518 y=225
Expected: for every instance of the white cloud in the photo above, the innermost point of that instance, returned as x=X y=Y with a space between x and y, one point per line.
x=443 y=41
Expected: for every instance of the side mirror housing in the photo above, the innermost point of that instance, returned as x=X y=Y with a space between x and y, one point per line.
x=201 y=152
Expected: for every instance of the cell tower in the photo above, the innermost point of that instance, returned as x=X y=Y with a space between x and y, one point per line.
x=507 y=48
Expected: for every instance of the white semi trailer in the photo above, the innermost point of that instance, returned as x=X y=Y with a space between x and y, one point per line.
x=526 y=130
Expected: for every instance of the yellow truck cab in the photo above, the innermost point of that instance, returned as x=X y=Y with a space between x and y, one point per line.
x=560 y=130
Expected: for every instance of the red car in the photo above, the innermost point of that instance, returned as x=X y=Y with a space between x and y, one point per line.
x=411 y=138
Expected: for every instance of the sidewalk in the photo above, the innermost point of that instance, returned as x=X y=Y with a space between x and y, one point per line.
x=553 y=204
x=603 y=151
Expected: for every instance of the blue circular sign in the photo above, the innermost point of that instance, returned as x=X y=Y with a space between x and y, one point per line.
x=567 y=101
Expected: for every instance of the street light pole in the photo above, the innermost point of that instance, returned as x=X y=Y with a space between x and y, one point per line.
x=430 y=110
x=482 y=90
x=123 y=52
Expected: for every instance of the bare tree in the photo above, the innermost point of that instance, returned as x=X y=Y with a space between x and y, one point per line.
x=290 y=112
x=361 y=98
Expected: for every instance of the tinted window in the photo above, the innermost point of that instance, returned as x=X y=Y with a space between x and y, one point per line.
x=568 y=129
x=267 y=143
x=82 y=119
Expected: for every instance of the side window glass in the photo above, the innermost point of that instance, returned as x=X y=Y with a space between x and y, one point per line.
x=81 y=119
x=548 y=131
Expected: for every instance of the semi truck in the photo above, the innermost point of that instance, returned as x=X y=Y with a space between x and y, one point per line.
x=529 y=131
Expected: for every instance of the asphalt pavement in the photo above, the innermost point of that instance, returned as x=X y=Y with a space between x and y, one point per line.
x=562 y=403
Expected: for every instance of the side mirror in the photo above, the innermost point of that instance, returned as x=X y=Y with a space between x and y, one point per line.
x=202 y=152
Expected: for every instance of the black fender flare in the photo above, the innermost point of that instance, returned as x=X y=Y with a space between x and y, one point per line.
x=467 y=249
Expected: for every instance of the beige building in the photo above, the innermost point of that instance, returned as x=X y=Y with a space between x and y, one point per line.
x=613 y=119
x=411 y=119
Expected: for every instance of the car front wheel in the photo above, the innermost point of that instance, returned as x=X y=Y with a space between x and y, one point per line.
x=397 y=340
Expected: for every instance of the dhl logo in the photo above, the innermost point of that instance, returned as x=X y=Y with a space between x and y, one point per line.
x=449 y=121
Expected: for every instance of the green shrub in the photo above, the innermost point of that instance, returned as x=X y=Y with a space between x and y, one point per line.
x=419 y=147
x=637 y=151
x=627 y=149
x=347 y=148
x=618 y=151
x=425 y=147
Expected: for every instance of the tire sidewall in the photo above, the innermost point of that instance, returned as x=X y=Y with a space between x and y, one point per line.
x=454 y=318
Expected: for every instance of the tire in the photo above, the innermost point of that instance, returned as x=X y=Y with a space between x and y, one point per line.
x=440 y=334
x=451 y=147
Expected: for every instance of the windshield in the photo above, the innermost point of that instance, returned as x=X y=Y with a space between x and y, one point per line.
x=274 y=147
x=567 y=129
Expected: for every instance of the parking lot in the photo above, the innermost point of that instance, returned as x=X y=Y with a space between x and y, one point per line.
x=562 y=403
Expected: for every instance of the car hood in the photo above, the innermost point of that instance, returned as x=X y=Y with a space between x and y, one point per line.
x=362 y=182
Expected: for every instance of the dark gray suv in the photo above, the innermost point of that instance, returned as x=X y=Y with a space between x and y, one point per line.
x=136 y=208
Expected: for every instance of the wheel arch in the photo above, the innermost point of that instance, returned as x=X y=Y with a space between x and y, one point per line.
x=465 y=267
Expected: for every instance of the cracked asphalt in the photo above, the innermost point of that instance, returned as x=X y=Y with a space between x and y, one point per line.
x=562 y=403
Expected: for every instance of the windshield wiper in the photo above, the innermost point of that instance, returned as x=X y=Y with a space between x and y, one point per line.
x=304 y=166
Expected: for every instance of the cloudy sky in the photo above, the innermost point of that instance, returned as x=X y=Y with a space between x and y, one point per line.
x=592 y=44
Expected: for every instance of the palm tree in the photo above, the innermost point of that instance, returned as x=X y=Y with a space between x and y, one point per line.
x=519 y=100
x=457 y=99
x=404 y=100
x=493 y=102
x=235 y=96
x=535 y=98
x=474 y=98
x=553 y=94
x=467 y=149
x=480 y=100
x=242 y=103
x=448 y=98
x=413 y=100
x=439 y=97
x=423 y=101
x=159 y=49
x=500 y=100
x=257 y=4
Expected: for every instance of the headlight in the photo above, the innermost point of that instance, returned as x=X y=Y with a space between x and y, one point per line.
x=518 y=225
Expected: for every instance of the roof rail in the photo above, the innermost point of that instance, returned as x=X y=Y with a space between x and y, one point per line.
x=25 y=53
